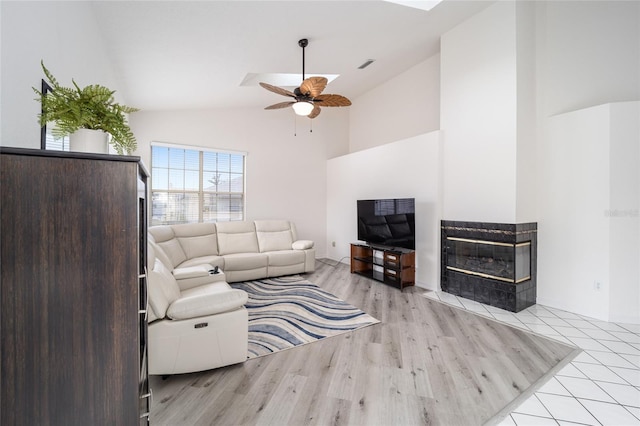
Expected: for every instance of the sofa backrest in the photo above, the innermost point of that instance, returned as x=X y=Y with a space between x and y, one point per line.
x=197 y=239
x=274 y=235
x=166 y=239
x=237 y=237
x=162 y=287
x=159 y=253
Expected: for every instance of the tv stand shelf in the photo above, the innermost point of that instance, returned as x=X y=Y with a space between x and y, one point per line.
x=393 y=266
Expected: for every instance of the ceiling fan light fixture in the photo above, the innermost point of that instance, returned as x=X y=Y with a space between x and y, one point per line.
x=302 y=108
x=308 y=98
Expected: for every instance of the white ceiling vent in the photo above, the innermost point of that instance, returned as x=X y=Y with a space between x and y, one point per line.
x=366 y=64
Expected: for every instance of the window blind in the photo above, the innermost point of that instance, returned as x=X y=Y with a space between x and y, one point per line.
x=190 y=185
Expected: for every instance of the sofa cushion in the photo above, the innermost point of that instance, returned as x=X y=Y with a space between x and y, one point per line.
x=285 y=257
x=159 y=253
x=302 y=245
x=245 y=261
x=173 y=250
x=236 y=237
x=205 y=300
x=161 y=233
x=273 y=235
x=197 y=239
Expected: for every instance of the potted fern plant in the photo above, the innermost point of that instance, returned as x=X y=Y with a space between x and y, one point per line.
x=74 y=109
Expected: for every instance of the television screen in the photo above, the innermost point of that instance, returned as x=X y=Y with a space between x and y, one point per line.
x=387 y=222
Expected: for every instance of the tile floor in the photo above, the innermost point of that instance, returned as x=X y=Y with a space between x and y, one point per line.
x=601 y=386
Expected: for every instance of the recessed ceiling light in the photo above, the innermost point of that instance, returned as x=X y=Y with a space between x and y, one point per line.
x=281 y=79
x=418 y=4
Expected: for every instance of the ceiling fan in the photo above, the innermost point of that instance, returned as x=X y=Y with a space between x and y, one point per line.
x=308 y=98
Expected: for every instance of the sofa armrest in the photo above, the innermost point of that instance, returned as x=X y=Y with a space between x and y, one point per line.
x=206 y=300
x=193 y=276
x=192 y=271
x=302 y=245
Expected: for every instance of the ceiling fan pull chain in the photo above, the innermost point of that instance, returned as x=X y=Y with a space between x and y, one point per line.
x=295 y=126
x=310 y=126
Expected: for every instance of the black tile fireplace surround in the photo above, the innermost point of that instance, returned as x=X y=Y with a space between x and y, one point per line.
x=491 y=263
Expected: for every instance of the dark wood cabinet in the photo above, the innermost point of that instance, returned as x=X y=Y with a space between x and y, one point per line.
x=73 y=289
x=394 y=266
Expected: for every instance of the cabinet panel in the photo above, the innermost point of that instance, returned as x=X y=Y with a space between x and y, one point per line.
x=391 y=266
x=69 y=289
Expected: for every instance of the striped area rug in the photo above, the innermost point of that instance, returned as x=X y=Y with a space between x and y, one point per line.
x=290 y=311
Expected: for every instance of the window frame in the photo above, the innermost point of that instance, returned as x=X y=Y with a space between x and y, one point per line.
x=201 y=192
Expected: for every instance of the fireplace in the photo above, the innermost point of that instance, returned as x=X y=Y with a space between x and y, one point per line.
x=491 y=263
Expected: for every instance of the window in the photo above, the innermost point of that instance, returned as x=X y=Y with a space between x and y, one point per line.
x=56 y=144
x=193 y=185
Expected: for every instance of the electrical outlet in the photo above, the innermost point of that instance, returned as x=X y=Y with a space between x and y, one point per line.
x=333 y=243
x=597 y=285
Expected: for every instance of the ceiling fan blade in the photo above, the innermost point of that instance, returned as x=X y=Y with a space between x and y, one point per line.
x=313 y=86
x=332 y=101
x=278 y=90
x=314 y=112
x=280 y=105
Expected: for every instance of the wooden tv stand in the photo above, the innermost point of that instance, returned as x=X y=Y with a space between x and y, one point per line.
x=393 y=266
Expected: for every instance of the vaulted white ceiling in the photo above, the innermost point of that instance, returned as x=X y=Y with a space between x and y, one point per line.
x=196 y=54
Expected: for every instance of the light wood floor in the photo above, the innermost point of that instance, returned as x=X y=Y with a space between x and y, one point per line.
x=425 y=363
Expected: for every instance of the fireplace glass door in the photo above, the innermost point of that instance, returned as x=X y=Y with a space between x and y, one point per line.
x=488 y=259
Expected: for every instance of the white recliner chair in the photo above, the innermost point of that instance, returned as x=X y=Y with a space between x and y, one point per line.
x=196 y=329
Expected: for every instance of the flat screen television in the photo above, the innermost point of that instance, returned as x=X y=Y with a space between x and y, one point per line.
x=388 y=222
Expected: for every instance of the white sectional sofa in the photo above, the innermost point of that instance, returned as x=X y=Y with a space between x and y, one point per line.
x=197 y=321
x=244 y=250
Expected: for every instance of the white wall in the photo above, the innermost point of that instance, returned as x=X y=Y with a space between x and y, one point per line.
x=534 y=60
x=286 y=174
x=589 y=224
x=573 y=231
x=478 y=117
x=526 y=139
x=624 y=217
x=405 y=106
x=64 y=35
x=406 y=168
x=589 y=54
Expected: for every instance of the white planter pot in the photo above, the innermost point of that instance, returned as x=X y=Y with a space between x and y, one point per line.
x=87 y=140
